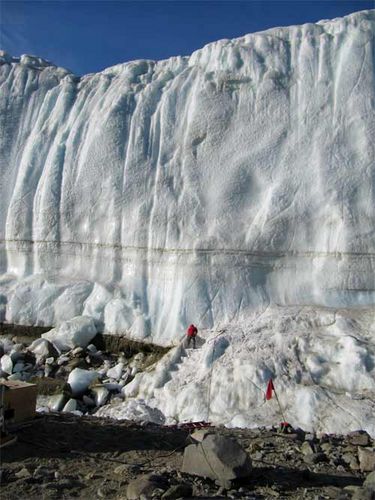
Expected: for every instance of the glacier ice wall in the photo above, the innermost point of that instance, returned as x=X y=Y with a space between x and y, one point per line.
x=197 y=188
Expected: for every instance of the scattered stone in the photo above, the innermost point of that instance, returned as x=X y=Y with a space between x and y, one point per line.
x=315 y=458
x=43 y=473
x=217 y=457
x=157 y=493
x=100 y=394
x=18 y=367
x=16 y=355
x=116 y=371
x=48 y=370
x=104 y=491
x=77 y=351
x=134 y=371
x=43 y=349
x=145 y=485
x=363 y=494
x=351 y=460
x=359 y=438
x=370 y=481
x=23 y=474
x=88 y=401
x=57 y=402
x=366 y=457
x=121 y=469
x=70 y=406
x=63 y=360
x=306 y=448
x=178 y=491
x=326 y=447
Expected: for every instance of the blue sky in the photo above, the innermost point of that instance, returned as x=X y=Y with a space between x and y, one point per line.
x=88 y=36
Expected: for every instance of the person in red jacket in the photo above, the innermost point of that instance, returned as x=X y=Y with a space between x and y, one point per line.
x=191 y=335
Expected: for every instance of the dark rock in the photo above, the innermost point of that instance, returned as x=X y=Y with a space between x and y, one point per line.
x=315 y=458
x=217 y=457
x=178 y=491
x=359 y=438
x=157 y=493
x=62 y=484
x=43 y=473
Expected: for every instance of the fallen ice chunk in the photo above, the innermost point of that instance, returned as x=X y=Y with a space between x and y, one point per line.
x=6 y=364
x=43 y=349
x=76 y=332
x=80 y=379
x=134 y=409
x=100 y=394
x=56 y=402
x=70 y=406
x=6 y=344
x=116 y=371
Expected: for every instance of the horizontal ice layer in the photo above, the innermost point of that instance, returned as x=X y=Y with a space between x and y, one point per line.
x=192 y=189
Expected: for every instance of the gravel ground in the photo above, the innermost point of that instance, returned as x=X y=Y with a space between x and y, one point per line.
x=64 y=456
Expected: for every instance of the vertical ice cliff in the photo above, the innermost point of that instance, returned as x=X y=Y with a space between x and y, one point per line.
x=197 y=188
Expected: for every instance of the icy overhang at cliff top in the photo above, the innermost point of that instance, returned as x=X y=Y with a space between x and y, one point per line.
x=195 y=188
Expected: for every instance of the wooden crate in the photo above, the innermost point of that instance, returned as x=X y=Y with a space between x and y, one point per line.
x=19 y=400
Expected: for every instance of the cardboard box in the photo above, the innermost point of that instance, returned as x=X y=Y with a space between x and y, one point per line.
x=19 y=400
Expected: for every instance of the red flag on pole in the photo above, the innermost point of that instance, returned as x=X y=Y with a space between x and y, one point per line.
x=269 y=390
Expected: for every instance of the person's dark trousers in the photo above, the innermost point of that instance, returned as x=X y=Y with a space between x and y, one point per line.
x=189 y=342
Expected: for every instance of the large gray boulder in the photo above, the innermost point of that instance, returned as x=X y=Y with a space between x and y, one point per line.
x=217 y=457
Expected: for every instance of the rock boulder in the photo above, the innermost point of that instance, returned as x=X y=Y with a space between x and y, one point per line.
x=217 y=457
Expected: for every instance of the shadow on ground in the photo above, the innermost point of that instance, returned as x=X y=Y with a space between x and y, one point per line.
x=55 y=437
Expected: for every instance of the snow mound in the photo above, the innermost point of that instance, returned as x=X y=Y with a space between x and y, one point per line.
x=136 y=410
x=322 y=363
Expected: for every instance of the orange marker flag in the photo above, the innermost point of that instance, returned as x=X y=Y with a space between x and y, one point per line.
x=269 y=390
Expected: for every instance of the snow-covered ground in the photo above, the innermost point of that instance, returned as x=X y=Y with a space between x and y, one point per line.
x=322 y=363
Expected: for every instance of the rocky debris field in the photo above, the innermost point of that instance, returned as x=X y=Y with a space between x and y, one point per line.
x=66 y=456
x=74 y=369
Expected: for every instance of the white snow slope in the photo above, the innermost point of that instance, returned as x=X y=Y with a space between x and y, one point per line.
x=197 y=188
x=322 y=363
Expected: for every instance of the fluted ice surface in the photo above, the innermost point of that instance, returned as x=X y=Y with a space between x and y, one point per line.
x=197 y=188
